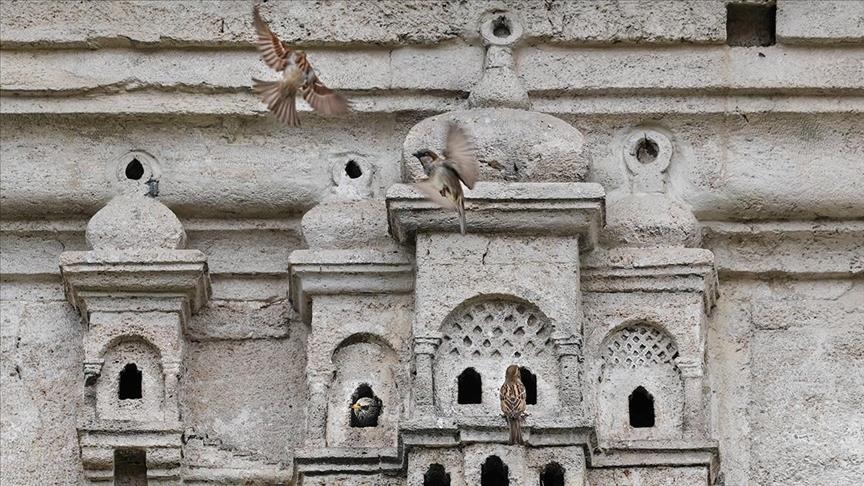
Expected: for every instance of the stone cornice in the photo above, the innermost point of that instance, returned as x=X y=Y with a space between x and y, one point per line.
x=652 y=270
x=542 y=208
x=114 y=276
x=331 y=272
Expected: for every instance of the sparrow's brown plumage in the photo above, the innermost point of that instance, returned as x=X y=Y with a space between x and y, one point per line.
x=445 y=173
x=298 y=76
x=513 y=402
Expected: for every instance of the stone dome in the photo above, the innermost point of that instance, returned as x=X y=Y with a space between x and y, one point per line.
x=344 y=224
x=135 y=222
x=512 y=145
x=648 y=220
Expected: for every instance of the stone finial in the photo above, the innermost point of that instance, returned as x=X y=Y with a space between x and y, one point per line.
x=135 y=221
x=646 y=215
x=512 y=145
x=499 y=86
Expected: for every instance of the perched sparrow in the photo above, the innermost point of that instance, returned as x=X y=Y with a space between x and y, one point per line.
x=297 y=76
x=366 y=411
x=444 y=173
x=513 y=403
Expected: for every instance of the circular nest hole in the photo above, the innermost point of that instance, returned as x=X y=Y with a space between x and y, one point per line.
x=501 y=27
x=134 y=170
x=647 y=151
x=353 y=170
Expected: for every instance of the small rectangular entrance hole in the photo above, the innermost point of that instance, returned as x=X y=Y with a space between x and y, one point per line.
x=130 y=467
x=751 y=25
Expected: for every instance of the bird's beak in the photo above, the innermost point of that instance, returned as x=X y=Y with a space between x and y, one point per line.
x=355 y=407
x=417 y=154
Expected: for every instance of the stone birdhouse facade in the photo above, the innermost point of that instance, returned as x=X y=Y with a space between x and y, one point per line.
x=666 y=238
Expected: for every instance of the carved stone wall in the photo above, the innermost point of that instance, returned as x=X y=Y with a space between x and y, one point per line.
x=686 y=169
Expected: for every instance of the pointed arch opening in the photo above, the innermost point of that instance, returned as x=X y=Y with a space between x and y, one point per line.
x=641 y=406
x=470 y=387
x=530 y=381
x=552 y=475
x=129 y=387
x=494 y=472
x=436 y=475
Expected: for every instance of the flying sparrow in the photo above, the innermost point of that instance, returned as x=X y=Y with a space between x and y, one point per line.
x=297 y=76
x=513 y=403
x=366 y=411
x=444 y=173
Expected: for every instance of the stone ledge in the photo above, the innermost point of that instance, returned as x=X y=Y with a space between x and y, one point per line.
x=163 y=442
x=330 y=272
x=164 y=273
x=453 y=431
x=542 y=208
x=373 y=74
x=332 y=460
x=653 y=452
x=652 y=270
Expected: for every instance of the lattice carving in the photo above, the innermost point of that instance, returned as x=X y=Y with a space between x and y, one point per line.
x=495 y=329
x=639 y=345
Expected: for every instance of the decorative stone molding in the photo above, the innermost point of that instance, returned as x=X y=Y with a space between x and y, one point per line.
x=135 y=291
x=645 y=213
x=499 y=86
x=550 y=209
x=354 y=301
x=102 y=279
x=162 y=443
x=620 y=270
x=341 y=272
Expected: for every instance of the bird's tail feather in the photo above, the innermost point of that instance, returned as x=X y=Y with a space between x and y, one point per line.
x=515 y=430
x=279 y=101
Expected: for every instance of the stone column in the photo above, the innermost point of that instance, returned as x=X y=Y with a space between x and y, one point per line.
x=171 y=370
x=694 y=409
x=92 y=371
x=316 y=408
x=424 y=386
x=570 y=366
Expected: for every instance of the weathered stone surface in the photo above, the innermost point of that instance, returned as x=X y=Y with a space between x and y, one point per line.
x=762 y=189
x=135 y=222
x=34 y=24
x=824 y=22
x=249 y=393
x=649 y=220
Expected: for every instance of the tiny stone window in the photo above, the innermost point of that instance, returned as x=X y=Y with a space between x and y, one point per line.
x=552 y=475
x=353 y=170
x=641 y=406
x=365 y=407
x=470 y=387
x=751 y=25
x=494 y=472
x=130 y=467
x=134 y=170
x=530 y=381
x=130 y=383
x=436 y=475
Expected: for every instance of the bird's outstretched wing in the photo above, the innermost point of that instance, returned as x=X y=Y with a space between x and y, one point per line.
x=323 y=99
x=273 y=51
x=459 y=154
x=431 y=188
